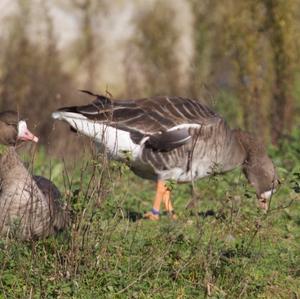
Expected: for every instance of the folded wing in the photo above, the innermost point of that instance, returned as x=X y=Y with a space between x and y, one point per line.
x=162 y=122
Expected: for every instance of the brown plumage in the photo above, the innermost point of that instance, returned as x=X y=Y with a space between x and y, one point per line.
x=8 y=127
x=171 y=138
x=30 y=207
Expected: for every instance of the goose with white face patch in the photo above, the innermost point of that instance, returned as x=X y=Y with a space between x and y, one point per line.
x=13 y=129
x=30 y=206
x=170 y=138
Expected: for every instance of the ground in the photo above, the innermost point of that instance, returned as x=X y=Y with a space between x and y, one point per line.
x=222 y=247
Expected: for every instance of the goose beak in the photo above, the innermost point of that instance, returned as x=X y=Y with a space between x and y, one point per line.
x=263 y=204
x=28 y=136
x=264 y=198
x=24 y=134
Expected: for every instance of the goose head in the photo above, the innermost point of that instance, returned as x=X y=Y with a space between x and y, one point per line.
x=12 y=129
x=259 y=168
x=262 y=175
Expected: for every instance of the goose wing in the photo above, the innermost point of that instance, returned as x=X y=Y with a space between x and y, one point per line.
x=162 y=122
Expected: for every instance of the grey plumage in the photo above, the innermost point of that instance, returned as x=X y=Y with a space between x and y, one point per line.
x=176 y=138
x=178 y=133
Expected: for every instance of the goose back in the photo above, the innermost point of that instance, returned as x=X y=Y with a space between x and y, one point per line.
x=146 y=115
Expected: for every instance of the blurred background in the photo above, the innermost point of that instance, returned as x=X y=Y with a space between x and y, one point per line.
x=240 y=57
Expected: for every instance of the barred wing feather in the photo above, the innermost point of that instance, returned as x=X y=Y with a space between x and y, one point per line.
x=163 y=122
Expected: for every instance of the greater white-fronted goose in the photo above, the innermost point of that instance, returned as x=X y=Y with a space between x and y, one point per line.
x=12 y=129
x=30 y=207
x=171 y=138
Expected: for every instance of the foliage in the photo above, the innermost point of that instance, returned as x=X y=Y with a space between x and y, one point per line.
x=224 y=247
x=246 y=53
x=241 y=54
x=32 y=80
x=157 y=39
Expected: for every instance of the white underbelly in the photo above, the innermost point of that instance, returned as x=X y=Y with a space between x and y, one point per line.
x=202 y=169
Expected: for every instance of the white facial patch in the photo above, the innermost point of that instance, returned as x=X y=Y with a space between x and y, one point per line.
x=22 y=128
x=267 y=194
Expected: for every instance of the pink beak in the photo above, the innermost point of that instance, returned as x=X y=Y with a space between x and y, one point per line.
x=28 y=136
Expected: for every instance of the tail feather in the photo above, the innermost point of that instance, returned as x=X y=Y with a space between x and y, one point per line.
x=100 y=105
x=89 y=92
x=101 y=100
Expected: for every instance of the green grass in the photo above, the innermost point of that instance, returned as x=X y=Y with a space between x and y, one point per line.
x=222 y=248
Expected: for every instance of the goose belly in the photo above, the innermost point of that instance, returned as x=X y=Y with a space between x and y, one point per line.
x=116 y=142
x=176 y=165
x=182 y=175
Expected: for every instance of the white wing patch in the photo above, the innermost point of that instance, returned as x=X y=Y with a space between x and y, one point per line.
x=61 y=115
x=185 y=126
x=116 y=141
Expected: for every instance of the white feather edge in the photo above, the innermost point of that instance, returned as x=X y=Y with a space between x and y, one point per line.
x=185 y=126
x=62 y=115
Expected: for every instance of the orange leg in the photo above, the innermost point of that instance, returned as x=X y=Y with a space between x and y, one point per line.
x=167 y=200
x=162 y=195
x=168 y=204
x=161 y=190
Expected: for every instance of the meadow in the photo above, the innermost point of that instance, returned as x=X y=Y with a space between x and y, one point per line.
x=221 y=246
x=242 y=59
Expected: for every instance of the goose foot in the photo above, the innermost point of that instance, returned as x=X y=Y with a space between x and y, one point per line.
x=150 y=216
x=171 y=214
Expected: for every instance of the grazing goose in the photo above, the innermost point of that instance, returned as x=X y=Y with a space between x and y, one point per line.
x=171 y=138
x=29 y=206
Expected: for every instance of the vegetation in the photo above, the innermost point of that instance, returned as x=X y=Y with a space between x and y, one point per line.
x=224 y=247
x=243 y=60
x=246 y=50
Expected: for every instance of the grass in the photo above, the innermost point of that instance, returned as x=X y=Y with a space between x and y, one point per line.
x=222 y=248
